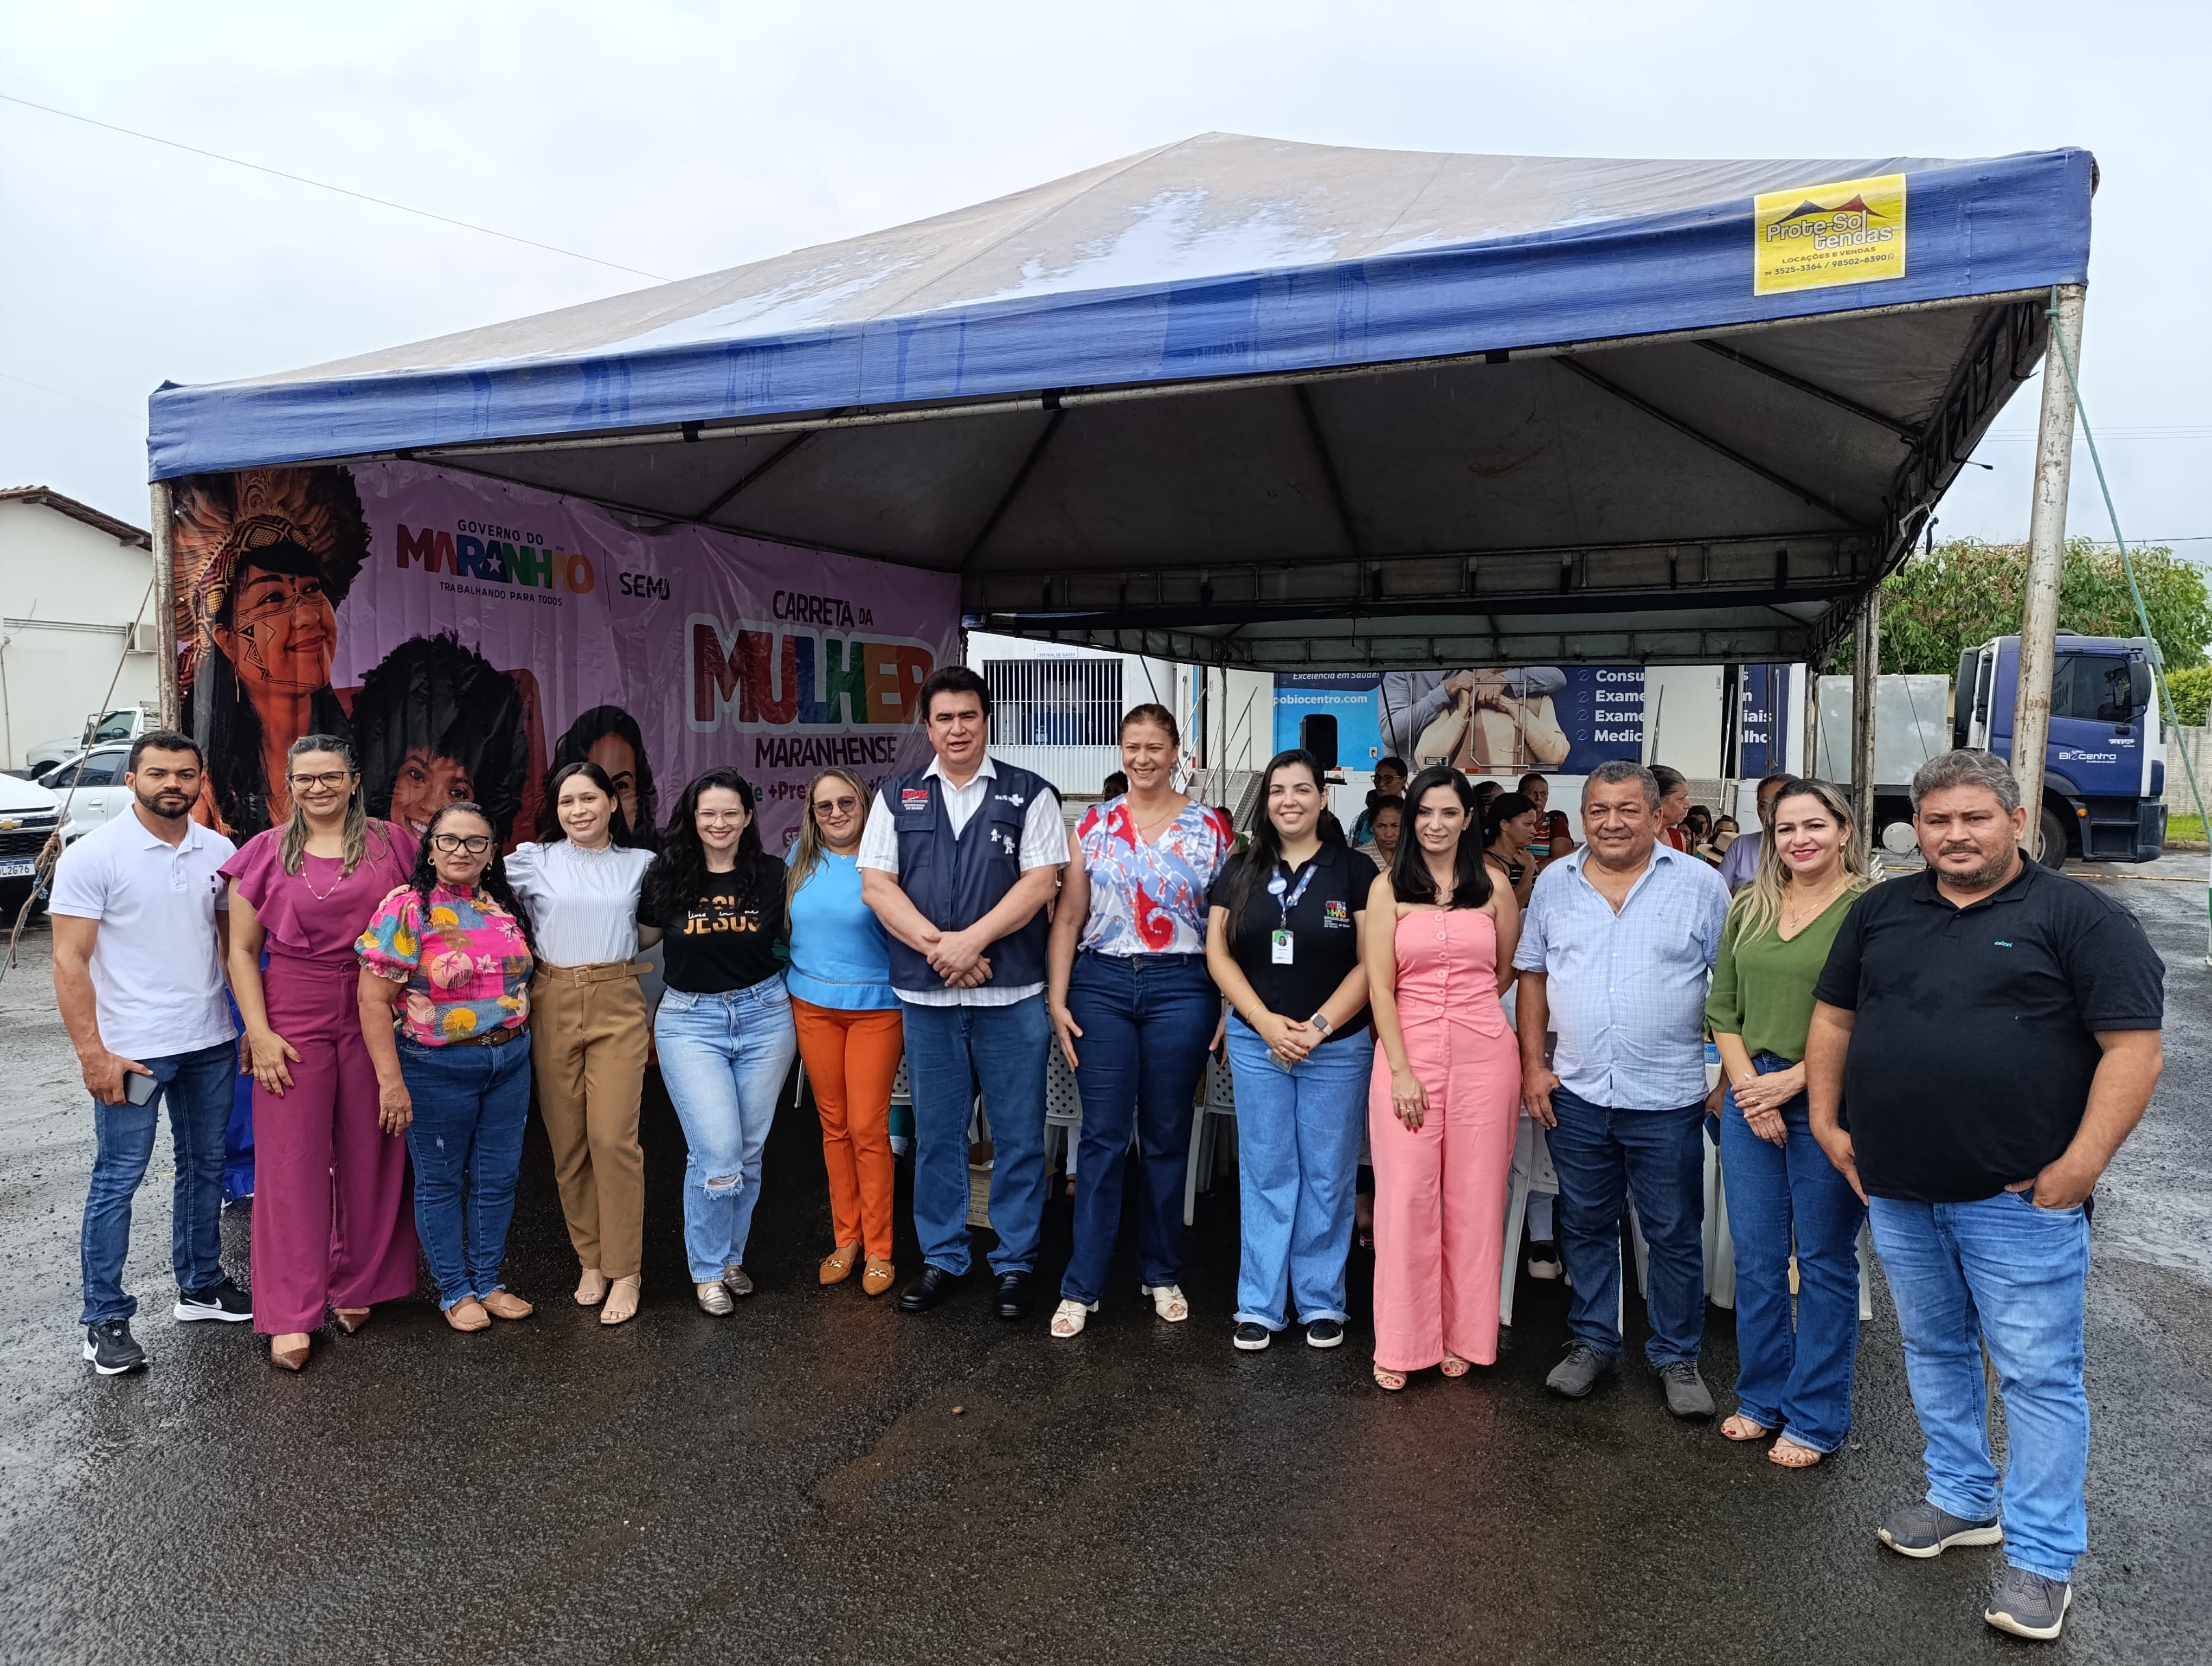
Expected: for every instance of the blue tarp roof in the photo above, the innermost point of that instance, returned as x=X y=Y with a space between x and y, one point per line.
x=1287 y=405
x=1219 y=257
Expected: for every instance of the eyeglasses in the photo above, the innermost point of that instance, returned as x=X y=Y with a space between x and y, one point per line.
x=844 y=807
x=328 y=778
x=721 y=817
x=452 y=844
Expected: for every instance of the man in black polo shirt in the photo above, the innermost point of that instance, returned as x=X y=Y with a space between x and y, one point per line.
x=1985 y=1035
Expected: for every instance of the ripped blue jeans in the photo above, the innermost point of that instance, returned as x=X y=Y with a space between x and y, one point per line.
x=724 y=1059
x=471 y=1106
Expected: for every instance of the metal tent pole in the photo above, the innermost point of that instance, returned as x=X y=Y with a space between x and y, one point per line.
x=2046 y=553
x=1866 y=666
x=165 y=609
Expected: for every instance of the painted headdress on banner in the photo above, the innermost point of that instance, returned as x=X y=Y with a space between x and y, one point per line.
x=307 y=521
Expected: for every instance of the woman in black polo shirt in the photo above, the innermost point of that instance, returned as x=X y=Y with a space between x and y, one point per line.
x=1283 y=942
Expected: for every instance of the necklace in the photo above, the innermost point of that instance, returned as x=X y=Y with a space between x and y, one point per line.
x=1143 y=826
x=323 y=895
x=1794 y=921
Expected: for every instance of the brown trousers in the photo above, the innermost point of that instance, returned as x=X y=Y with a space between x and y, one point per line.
x=588 y=1043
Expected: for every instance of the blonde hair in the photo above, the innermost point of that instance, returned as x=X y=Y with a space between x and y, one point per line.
x=1760 y=902
x=353 y=843
x=809 y=856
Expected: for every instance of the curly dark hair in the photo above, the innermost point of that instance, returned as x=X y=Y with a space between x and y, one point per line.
x=424 y=877
x=677 y=878
x=432 y=692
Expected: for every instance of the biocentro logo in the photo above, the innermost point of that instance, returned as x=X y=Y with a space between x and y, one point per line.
x=495 y=555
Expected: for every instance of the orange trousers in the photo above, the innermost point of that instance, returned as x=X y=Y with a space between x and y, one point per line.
x=851 y=1059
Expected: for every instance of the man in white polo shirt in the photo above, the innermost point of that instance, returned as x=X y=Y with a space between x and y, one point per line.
x=140 y=919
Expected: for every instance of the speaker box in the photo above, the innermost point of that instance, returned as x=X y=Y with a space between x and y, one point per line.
x=1317 y=734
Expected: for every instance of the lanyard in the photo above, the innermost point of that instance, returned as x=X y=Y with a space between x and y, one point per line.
x=1278 y=885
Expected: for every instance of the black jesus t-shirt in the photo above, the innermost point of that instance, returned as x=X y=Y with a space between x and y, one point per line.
x=730 y=936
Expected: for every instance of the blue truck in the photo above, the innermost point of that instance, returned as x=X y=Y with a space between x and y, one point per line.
x=2103 y=770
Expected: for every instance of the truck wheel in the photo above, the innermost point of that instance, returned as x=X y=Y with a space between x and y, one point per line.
x=2051 y=839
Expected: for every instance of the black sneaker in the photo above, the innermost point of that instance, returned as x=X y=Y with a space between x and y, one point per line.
x=111 y=1348
x=1252 y=1338
x=221 y=1300
x=1920 y=1530
x=1324 y=1334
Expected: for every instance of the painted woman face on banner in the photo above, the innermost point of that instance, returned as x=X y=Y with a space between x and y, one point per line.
x=281 y=630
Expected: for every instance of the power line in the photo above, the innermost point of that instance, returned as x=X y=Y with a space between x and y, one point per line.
x=62 y=392
x=319 y=184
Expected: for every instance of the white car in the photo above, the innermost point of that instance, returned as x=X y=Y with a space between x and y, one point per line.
x=91 y=790
x=28 y=815
x=126 y=723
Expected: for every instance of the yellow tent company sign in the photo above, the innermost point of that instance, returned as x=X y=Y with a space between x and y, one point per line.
x=1813 y=237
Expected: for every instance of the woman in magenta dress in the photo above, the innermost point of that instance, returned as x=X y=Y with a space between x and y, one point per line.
x=1444 y=1106
x=333 y=1227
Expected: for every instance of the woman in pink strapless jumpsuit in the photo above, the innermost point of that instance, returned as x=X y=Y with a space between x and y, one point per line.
x=1444 y=1104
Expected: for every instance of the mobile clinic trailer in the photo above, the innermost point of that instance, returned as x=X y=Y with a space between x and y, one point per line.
x=1234 y=401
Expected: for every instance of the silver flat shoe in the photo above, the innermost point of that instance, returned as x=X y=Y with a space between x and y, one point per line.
x=736 y=1281
x=713 y=1298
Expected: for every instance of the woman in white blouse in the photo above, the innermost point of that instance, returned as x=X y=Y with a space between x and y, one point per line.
x=590 y=1033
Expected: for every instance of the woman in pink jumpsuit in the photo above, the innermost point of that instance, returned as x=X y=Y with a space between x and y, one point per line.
x=1444 y=1104
x=333 y=1225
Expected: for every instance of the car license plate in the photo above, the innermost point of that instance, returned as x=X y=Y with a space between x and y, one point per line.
x=17 y=869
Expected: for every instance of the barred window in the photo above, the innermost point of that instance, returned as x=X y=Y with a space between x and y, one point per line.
x=1054 y=702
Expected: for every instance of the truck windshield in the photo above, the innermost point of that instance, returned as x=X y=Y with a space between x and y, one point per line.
x=116 y=726
x=2092 y=687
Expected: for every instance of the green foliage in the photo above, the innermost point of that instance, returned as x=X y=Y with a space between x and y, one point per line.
x=1962 y=594
x=2191 y=688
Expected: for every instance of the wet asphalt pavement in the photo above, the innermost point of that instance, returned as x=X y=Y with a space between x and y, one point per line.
x=820 y=1478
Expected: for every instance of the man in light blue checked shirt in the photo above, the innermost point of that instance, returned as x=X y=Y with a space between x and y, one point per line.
x=1616 y=951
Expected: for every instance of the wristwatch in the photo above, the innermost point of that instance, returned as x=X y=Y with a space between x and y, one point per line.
x=1320 y=1021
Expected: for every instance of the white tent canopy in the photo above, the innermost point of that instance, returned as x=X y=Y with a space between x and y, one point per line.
x=1284 y=406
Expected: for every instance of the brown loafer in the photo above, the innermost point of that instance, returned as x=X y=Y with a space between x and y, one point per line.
x=837 y=1265
x=505 y=1304
x=877 y=1276
x=288 y=1358
x=467 y=1314
x=351 y=1319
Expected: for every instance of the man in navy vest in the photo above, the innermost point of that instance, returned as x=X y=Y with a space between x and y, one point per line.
x=959 y=862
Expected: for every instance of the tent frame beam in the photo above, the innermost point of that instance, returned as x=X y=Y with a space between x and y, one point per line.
x=1803 y=494
x=1903 y=431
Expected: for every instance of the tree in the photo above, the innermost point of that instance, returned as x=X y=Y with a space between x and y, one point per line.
x=1961 y=593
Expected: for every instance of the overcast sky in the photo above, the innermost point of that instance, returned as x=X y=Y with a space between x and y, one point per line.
x=684 y=138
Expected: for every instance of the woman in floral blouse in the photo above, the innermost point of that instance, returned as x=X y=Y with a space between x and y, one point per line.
x=451 y=951
x=1127 y=962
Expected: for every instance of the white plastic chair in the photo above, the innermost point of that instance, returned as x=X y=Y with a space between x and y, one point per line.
x=1220 y=1100
x=1063 y=1105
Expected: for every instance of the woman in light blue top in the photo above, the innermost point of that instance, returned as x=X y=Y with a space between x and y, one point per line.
x=849 y=1032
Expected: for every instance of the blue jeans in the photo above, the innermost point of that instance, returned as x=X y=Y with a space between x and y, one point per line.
x=1146 y=1020
x=1297 y=1155
x=471 y=1105
x=1601 y=1156
x=949 y=1051
x=2002 y=1273
x=196 y=1087
x=1797 y=1381
x=724 y=1059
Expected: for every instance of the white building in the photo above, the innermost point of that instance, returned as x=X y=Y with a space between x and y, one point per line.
x=74 y=601
x=1057 y=709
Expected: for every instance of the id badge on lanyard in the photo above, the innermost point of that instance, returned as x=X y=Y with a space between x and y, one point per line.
x=1282 y=945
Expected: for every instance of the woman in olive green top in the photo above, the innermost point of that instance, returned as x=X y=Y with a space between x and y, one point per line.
x=1783 y=1192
